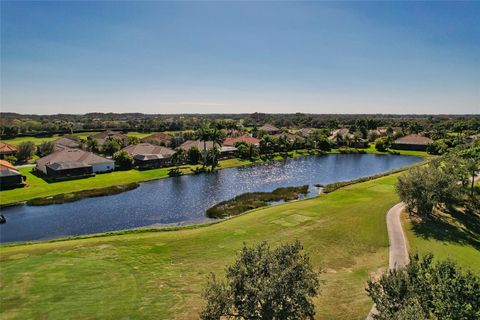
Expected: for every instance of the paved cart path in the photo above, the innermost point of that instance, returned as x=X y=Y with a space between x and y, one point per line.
x=398 y=252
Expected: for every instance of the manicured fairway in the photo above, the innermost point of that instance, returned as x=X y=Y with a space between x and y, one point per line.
x=160 y=274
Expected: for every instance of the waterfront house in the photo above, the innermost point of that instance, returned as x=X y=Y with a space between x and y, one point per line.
x=70 y=162
x=10 y=177
x=225 y=151
x=160 y=138
x=412 y=142
x=230 y=142
x=7 y=150
x=344 y=138
x=269 y=129
x=149 y=156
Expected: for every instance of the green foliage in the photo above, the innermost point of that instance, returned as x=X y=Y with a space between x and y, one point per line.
x=46 y=148
x=426 y=290
x=175 y=172
x=253 y=200
x=133 y=140
x=25 y=151
x=381 y=144
x=110 y=146
x=123 y=160
x=264 y=284
x=194 y=155
x=422 y=188
x=11 y=159
x=92 y=145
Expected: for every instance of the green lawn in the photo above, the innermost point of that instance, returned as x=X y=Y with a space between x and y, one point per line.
x=160 y=274
x=455 y=237
x=83 y=135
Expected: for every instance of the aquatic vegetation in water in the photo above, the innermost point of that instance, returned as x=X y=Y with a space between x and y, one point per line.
x=252 y=200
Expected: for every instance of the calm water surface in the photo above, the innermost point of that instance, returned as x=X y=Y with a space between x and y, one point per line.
x=184 y=200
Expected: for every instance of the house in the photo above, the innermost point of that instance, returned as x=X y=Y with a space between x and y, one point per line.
x=343 y=138
x=68 y=169
x=289 y=136
x=472 y=138
x=225 y=151
x=189 y=144
x=305 y=132
x=102 y=136
x=245 y=139
x=7 y=150
x=269 y=129
x=74 y=162
x=9 y=176
x=160 y=138
x=149 y=156
x=64 y=143
x=412 y=142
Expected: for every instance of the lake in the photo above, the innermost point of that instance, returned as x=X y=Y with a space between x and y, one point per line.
x=184 y=200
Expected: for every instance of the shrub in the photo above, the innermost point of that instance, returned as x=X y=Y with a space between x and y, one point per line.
x=123 y=160
x=46 y=148
x=25 y=151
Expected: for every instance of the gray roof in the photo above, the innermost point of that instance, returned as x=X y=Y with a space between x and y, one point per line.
x=73 y=155
x=67 y=165
x=148 y=148
x=66 y=142
x=9 y=172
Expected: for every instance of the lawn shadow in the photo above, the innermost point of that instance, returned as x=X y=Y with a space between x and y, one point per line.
x=453 y=226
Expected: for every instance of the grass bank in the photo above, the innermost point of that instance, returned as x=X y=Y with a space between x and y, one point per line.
x=161 y=274
x=38 y=187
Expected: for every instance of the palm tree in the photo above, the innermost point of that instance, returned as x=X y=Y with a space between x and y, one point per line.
x=217 y=137
x=204 y=134
x=92 y=145
x=178 y=157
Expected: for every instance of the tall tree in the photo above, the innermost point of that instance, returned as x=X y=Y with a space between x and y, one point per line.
x=264 y=284
x=217 y=137
x=204 y=134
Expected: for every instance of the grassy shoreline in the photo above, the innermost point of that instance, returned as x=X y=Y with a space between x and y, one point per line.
x=38 y=188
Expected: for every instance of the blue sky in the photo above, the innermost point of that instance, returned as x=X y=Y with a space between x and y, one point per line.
x=235 y=57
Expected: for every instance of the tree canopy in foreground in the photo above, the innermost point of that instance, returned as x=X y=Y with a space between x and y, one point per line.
x=264 y=284
x=426 y=290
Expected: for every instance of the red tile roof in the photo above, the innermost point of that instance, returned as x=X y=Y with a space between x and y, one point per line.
x=244 y=138
x=7 y=148
x=4 y=165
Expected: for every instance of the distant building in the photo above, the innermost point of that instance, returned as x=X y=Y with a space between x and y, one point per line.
x=245 y=139
x=289 y=136
x=225 y=151
x=64 y=143
x=149 y=156
x=7 y=150
x=71 y=162
x=9 y=176
x=412 y=142
x=269 y=129
x=305 y=132
x=102 y=136
x=472 y=138
x=343 y=137
x=158 y=138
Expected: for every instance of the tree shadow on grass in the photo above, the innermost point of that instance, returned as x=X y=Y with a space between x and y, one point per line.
x=452 y=226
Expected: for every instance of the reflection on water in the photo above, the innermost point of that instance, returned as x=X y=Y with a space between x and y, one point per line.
x=184 y=200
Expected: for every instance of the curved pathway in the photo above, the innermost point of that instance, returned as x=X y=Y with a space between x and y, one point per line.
x=398 y=251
